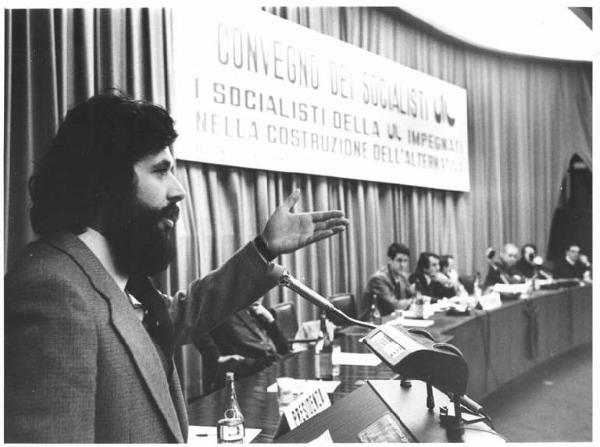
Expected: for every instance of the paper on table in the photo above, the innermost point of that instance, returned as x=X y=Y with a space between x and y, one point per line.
x=328 y=386
x=200 y=434
x=511 y=288
x=428 y=311
x=352 y=358
x=325 y=438
x=415 y=322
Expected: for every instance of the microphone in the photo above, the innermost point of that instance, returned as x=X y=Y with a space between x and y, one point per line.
x=538 y=265
x=470 y=404
x=490 y=253
x=279 y=274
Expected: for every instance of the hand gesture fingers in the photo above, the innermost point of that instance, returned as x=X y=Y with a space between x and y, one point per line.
x=291 y=200
x=287 y=231
x=339 y=222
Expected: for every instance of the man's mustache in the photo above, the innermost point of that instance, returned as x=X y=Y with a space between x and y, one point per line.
x=170 y=212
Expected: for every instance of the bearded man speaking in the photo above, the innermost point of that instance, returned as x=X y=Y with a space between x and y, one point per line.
x=88 y=340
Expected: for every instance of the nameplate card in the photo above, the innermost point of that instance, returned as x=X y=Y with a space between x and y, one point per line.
x=511 y=288
x=309 y=403
x=490 y=301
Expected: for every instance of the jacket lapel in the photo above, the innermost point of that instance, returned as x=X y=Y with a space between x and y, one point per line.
x=143 y=290
x=179 y=401
x=126 y=323
x=390 y=278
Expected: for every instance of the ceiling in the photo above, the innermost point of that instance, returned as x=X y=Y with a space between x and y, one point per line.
x=528 y=28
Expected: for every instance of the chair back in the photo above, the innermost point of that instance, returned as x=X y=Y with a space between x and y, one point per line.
x=344 y=302
x=285 y=314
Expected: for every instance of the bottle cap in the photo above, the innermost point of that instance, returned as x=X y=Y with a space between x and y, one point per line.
x=229 y=375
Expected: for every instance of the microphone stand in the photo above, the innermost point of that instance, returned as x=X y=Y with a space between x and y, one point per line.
x=453 y=423
x=335 y=315
x=500 y=272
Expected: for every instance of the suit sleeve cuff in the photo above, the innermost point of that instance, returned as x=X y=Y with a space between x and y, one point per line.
x=263 y=250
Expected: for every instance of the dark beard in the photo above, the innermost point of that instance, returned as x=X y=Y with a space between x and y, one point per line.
x=139 y=245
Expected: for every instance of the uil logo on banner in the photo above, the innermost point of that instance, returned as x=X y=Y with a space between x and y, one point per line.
x=440 y=110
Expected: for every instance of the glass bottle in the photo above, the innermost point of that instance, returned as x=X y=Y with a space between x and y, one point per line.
x=324 y=351
x=476 y=290
x=477 y=286
x=534 y=278
x=419 y=301
x=374 y=314
x=230 y=429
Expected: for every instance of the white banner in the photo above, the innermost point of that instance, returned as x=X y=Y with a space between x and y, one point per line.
x=257 y=91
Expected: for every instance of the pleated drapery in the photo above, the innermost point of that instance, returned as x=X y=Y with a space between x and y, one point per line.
x=527 y=117
x=56 y=59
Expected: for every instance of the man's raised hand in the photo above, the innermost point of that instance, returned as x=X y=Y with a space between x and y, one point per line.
x=286 y=231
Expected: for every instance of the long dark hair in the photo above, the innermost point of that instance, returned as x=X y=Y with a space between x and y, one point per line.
x=423 y=262
x=91 y=159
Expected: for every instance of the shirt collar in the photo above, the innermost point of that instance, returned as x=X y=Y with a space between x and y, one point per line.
x=98 y=244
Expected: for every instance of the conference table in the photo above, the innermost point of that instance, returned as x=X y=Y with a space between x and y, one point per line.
x=261 y=409
x=498 y=346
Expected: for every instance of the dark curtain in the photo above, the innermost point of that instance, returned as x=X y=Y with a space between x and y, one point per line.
x=55 y=59
x=572 y=220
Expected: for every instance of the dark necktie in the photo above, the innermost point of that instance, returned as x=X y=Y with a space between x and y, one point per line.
x=155 y=320
x=398 y=289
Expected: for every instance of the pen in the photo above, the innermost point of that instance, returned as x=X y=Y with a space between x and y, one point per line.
x=201 y=434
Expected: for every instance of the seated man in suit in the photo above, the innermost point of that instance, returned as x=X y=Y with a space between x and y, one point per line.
x=503 y=270
x=429 y=280
x=389 y=286
x=526 y=266
x=245 y=343
x=89 y=342
x=573 y=265
x=448 y=268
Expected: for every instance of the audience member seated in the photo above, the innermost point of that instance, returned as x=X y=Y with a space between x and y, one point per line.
x=431 y=281
x=573 y=265
x=245 y=343
x=390 y=284
x=526 y=266
x=504 y=271
x=448 y=268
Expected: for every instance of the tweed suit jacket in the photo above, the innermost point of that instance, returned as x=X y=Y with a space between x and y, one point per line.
x=391 y=294
x=80 y=366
